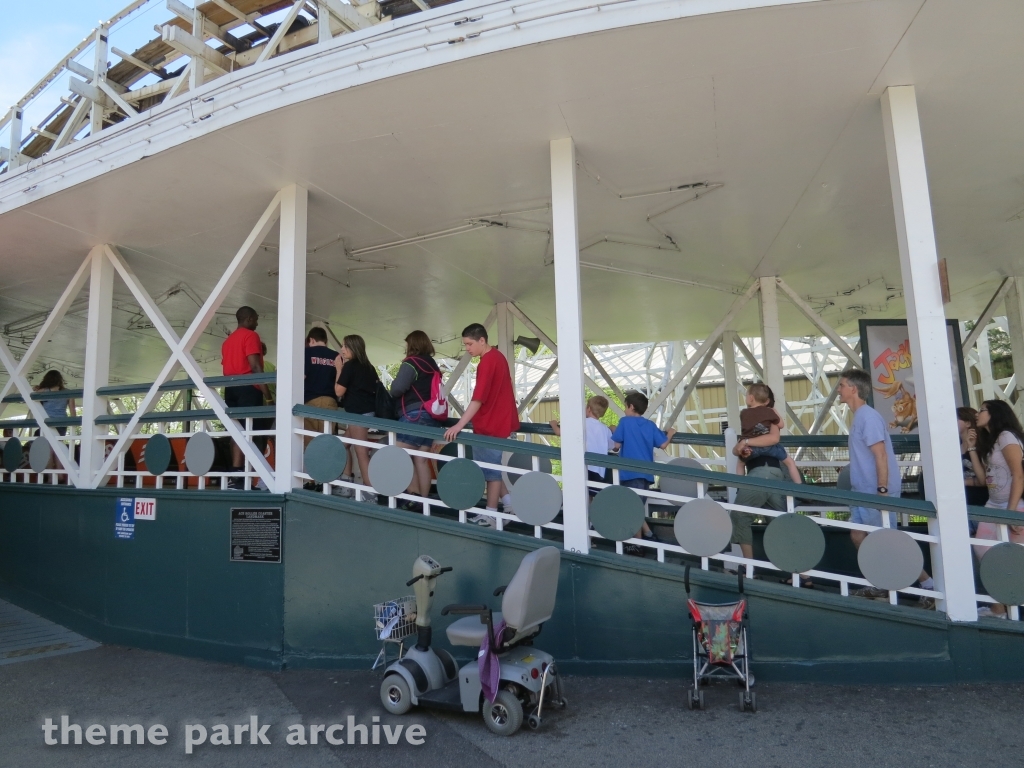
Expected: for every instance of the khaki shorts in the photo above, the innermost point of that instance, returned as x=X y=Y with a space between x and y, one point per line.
x=317 y=425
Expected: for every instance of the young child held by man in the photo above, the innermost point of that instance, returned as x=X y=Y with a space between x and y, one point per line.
x=599 y=437
x=636 y=438
x=756 y=420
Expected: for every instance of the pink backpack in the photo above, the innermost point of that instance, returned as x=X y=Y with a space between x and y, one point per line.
x=438 y=405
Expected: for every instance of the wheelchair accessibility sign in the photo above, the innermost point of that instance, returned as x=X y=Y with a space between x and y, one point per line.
x=124 y=519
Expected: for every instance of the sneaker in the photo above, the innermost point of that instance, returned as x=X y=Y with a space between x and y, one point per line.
x=988 y=613
x=871 y=592
x=236 y=484
x=928 y=603
x=484 y=521
x=633 y=549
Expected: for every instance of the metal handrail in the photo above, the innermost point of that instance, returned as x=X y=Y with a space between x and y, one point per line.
x=117 y=390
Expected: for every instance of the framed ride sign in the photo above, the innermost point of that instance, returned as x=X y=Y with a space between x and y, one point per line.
x=885 y=349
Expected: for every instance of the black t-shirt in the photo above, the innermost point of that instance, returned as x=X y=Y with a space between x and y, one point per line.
x=320 y=373
x=360 y=382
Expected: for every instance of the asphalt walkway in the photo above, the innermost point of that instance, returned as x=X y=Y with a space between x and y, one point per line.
x=611 y=721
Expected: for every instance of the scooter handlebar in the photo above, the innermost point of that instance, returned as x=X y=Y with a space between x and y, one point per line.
x=414 y=579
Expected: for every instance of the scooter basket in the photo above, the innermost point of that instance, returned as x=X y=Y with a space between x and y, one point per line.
x=395 y=620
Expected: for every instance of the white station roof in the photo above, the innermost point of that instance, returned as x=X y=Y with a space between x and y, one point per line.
x=398 y=133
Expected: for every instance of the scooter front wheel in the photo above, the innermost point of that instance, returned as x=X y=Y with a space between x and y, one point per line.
x=395 y=695
x=505 y=715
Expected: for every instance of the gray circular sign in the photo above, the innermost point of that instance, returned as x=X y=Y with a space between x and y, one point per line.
x=617 y=513
x=1002 y=573
x=521 y=461
x=536 y=498
x=157 y=454
x=391 y=470
x=890 y=559
x=199 y=453
x=794 y=543
x=680 y=486
x=324 y=458
x=14 y=454
x=703 y=527
x=843 y=481
x=460 y=484
x=39 y=454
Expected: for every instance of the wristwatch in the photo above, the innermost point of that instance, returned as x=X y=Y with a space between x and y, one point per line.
x=882 y=489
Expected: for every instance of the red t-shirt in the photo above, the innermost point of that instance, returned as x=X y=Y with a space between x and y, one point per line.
x=497 y=416
x=235 y=351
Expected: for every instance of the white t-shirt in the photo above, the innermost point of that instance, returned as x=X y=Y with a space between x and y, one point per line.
x=998 y=476
x=599 y=440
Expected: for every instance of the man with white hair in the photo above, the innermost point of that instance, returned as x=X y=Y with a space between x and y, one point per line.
x=873 y=466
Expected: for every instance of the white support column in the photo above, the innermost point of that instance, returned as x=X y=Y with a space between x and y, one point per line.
x=988 y=389
x=771 y=343
x=1015 y=329
x=197 y=75
x=505 y=344
x=14 y=156
x=936 y=405
x=97 y=361
x=323 y=23
x=569 y=321
x=291 y=328
x=99 y=73
x=732 y=381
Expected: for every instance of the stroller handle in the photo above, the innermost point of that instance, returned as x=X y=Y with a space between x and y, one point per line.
x=686 y=580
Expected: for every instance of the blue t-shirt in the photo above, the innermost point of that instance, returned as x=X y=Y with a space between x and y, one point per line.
x=638 y=437
x=868 y=429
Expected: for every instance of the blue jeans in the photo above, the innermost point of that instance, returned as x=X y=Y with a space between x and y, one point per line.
x=490 y=456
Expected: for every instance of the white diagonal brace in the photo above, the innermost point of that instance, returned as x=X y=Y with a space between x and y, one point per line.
x=52 y=321
x=538 y=386
x=550 y=344
x=72 y=126
x=189 y=44
x=124 y=105
x=280 y=32
x=38 y=413
x=180 y=348
x=741 y=301
x=180 y=353
x=815 y=318
x=181 y=81
x=692 y=385
x=604 y=374
x=986 y=315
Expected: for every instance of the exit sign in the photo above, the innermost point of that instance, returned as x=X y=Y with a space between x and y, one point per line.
x=145 y=509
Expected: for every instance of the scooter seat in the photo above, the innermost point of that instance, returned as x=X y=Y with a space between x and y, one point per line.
x=469 y=630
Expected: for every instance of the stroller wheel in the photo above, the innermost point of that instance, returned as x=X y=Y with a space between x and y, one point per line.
x=700 y=699
x=534 y=722
x=562 y=703
x=748 y=701
x=690 y=698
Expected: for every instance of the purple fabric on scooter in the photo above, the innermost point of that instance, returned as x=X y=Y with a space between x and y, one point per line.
x=487 y=660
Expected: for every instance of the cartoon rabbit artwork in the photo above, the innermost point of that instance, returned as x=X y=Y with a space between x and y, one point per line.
x=904 y=407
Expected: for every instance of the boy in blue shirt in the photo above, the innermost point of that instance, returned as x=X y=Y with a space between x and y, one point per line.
x=636 y=438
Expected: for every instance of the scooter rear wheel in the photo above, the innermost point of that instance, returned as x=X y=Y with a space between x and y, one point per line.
x=395 y=695
x=505 y=715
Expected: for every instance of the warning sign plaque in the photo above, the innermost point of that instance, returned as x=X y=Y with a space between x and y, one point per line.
x=256 y=535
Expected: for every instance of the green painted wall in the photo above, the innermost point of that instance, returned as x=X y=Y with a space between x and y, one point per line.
x=174 y=589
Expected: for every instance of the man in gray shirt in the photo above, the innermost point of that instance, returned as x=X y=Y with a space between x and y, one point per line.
x=873 y=466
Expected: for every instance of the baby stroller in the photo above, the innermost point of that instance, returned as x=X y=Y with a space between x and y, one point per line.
x=720 y=647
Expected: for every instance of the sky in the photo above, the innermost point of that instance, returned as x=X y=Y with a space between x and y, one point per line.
x=34 y=36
